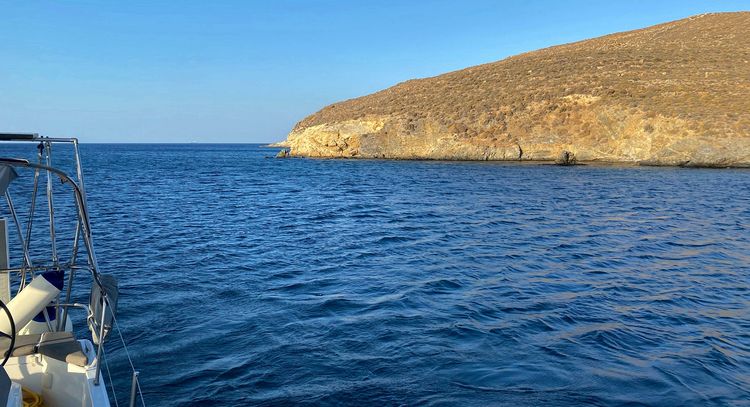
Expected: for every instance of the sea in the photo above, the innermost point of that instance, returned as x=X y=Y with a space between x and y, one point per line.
x=250 y=280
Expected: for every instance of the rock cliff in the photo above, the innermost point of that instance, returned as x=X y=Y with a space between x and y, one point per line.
x=672 y=94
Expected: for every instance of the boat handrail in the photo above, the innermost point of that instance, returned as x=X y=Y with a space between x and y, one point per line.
x=34 y=138
x=18 y=136
x=85 y=227
x=80 y=205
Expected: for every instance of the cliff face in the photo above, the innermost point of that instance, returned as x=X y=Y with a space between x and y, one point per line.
x=672 y=94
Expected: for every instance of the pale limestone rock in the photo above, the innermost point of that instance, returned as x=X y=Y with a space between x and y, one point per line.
x=672 y=94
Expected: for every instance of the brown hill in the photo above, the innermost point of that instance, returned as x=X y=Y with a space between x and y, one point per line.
x=672 y=94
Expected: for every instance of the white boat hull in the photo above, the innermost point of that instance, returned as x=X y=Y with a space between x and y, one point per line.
x=59 y=383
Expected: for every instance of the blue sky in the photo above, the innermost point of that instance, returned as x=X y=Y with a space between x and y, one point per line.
x=246 y=71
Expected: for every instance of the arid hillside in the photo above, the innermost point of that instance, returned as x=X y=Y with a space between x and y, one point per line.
x=672 y=94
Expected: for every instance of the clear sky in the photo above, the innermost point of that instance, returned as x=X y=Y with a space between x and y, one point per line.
x=246 y=71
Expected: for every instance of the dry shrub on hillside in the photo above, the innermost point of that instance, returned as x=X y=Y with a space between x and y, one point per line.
x=695 y=69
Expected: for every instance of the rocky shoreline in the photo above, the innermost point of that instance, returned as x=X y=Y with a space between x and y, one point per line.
x=676 y=94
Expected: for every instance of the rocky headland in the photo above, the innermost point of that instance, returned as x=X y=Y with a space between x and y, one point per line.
x=672 y=94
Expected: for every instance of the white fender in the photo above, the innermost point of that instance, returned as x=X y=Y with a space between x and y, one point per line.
x=28 y=303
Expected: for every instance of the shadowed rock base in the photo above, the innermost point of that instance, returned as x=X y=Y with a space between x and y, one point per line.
x=674 y=94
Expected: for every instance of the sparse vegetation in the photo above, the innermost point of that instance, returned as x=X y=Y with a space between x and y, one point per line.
x=663 y=66
x=688 y=77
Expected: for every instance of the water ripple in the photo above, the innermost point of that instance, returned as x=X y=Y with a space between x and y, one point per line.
x=253 y=281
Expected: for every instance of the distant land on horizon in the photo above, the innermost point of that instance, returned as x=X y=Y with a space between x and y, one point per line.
x=672 y=94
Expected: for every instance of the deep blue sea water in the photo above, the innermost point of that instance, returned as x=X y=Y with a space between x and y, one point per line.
x=247 y=280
